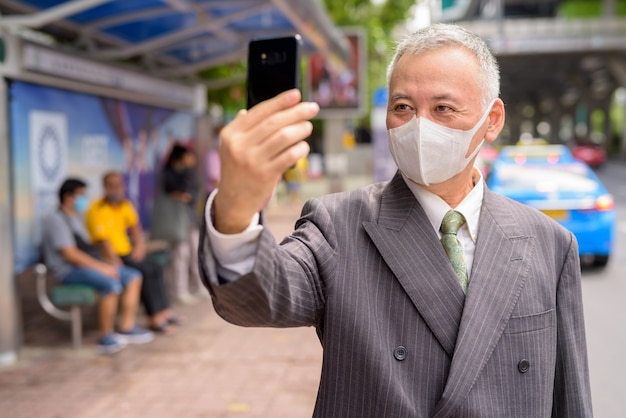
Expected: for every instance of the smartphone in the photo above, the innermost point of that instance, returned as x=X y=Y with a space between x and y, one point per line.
x=273 y=67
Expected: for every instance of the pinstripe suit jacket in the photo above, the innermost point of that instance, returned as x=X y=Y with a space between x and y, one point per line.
x=366 y=269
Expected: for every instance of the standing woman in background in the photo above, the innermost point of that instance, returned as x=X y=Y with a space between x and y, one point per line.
x=180 y=183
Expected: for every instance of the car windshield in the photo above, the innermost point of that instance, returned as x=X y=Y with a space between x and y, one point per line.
x=546 y=178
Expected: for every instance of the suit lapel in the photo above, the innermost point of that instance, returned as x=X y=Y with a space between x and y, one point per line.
x=501 y=263
x=407 y=242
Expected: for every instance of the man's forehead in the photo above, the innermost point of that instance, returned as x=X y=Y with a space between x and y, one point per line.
x=446 y=53
x=114 y=179
x=432 y=77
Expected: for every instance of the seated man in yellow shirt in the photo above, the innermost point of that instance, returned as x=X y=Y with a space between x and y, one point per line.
x=110 y=219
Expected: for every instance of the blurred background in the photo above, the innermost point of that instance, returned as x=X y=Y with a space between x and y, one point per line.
x=89 y=86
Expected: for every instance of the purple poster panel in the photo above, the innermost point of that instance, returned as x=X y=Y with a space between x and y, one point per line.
x=57 y=133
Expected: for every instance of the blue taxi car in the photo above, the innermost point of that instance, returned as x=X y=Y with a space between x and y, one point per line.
x=550 y=179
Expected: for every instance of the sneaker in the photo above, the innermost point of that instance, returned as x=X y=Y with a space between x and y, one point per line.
x=110 y=344
x=135 y=335
x=202 y=294
x=186 y=299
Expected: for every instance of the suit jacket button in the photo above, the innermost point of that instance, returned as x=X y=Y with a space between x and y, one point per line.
x=523 y=366
x=399 y=353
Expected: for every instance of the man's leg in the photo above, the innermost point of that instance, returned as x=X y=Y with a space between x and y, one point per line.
x=197 y=288
x=129 y=301
x=107 y=308
x=108 y=289
x=153 y=291
x=180 y=271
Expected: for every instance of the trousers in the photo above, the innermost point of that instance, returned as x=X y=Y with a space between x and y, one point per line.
x=186 y=275
x=154 y=295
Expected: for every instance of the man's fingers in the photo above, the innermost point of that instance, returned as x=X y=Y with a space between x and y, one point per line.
x=285 y=138
x=274 y=105
x=247 y=119
x=268 y=117
x=289 y=157
x=268 y=126
x=255 y=147
x=273 y=156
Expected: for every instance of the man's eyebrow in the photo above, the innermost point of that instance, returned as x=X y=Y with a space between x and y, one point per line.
x=399 y=96
x=444 y=96
x=402 y=96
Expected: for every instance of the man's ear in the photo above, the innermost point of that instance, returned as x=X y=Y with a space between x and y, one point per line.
x=496 y=120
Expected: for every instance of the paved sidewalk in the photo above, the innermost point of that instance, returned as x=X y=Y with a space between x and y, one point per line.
x=209 y=368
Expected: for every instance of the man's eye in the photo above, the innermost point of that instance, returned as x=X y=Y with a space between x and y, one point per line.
x=443 y=108
x=402 y=107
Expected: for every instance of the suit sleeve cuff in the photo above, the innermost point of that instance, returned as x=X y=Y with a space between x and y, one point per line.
x=235 y=254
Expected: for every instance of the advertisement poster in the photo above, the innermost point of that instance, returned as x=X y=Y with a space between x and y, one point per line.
x=339 y=92
x=56 y=134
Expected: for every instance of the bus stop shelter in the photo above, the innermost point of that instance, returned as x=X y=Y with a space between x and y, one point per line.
x=92 y=85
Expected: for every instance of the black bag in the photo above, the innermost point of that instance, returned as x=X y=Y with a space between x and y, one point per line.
x=86 y=247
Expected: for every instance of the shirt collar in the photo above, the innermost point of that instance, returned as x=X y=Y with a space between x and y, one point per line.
x=436 y=208
x=104 y=202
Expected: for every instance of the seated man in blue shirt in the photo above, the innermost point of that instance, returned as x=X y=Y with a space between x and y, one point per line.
x=72 y=259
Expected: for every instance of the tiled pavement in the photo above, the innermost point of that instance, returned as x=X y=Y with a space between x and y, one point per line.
x=209 y=368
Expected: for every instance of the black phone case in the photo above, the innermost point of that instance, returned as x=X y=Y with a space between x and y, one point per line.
x=273 y=67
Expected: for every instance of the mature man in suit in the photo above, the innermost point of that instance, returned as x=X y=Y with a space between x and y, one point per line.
x=417 y=317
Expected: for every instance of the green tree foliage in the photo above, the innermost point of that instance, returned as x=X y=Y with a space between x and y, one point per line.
x=379 y=20
x=230 y=97
x=576 y=9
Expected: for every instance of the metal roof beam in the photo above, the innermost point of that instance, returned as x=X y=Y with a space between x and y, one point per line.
x=318 y=30
x=129 y=17
x=167 y=40
x=211 y=62
x=160 y=11
x=51 y=15
x=145 y=15
x=232 y=56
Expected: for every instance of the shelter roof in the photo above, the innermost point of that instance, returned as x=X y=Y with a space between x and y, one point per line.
x=174 y=38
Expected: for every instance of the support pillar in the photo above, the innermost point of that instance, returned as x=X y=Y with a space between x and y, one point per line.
x=335 y=158
x=619 y=72
x=609 y=8
x=608 y=125
x=10 y=325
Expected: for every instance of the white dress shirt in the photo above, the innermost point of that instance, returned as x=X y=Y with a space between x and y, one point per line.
x=235 y=253
x=470 y=206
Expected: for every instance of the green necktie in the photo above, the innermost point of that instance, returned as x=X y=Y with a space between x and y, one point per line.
x=451 y=223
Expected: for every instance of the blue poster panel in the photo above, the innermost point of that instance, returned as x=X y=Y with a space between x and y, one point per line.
x=57 y=134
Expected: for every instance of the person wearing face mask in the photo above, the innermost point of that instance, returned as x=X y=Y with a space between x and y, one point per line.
x=432 y=296
x=72 y=259
x=113 y=223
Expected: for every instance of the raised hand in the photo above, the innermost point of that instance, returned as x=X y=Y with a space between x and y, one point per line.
x=255 y=150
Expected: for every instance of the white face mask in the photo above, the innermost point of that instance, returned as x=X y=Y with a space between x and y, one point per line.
x=429 y=153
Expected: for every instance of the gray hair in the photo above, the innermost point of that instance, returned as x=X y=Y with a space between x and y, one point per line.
x=442 y=35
